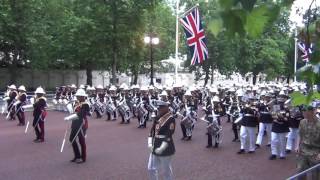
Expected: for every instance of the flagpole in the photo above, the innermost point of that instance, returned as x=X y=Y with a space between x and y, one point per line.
x=177 y=41
x=184 y=14
x=295 y=55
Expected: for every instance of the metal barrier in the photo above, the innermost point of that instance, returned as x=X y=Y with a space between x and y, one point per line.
x=307 y=173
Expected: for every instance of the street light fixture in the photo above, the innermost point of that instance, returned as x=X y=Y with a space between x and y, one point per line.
x=152 y=40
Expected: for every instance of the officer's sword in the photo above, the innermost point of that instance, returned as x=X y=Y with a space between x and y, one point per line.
x=64 y=139
x=26 y=130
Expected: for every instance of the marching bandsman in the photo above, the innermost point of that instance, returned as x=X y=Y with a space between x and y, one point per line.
x=265 y=119
x=248 y=126
x=91 y=91
x=12 y=98
x=72 y=92
x=160 y=142
x=79 y=127
x=213 y=112
x=22 y=98
x=234 y=111
x=189 y=117
x=100 y=100
x=112 y=100
x=294 y=121
x=123 y=107
x=143 y=113
x=280 y=127
x=39 y=114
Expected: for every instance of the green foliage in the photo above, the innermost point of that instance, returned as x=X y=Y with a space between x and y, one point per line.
x=248 y=17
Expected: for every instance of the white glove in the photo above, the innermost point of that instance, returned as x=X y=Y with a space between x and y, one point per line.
x=160 y=149
x=16 y=103
x=150 y=143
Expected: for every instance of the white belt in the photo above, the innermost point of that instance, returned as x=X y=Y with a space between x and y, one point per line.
x=265 y=112
x=249 y=115
x=160 y=136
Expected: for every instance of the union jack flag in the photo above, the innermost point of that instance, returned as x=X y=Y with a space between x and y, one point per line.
x=196 y=39
x=305 y=51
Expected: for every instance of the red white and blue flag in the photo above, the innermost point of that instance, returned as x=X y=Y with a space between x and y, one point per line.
x=305 y=51
x=196 y=39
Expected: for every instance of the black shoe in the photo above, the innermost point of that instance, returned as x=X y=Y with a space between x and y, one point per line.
x=251 y=152
x=242 y=151
x=36 y=140
x=208 y=146
x=188 y=138
x=39 y=141
x=268 y=145
x=216 y=145
x=74 y=160
x=257 y=146
x=273 y=157
x=282 y=158
x=288 y=151
x=235 y=140
x=79 y=161
x=183 y=138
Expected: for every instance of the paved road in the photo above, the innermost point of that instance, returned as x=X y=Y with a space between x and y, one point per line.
x=120 y=152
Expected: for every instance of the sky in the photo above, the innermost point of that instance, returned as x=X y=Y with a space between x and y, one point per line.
x=304 y=4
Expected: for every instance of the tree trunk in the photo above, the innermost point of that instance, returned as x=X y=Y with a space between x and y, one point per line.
x=207 y=77
x=254 y=79
x=89 y=73
x=114 y=41
x=212 y=73
x=288 y=79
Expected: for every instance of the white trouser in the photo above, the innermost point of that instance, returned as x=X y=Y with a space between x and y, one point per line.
x=250 y=133
x=292 y=138
x=278 y=144
x=262 y=127
x=155 y=163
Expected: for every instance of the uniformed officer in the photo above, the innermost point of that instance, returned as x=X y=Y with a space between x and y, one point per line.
x=12 y=98
x=309 y=141
x=160 y=142
x=39 y=114
x=22 y=98
x=79 y=127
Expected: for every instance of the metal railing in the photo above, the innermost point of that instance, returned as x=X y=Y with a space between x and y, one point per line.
x=311 y=173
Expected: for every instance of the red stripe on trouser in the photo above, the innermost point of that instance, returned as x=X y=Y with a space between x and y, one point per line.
x=41 y=125
x=82 y=142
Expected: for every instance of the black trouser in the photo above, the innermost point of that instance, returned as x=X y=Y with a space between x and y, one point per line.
x=184 y=130
x=123 y=117
x=75 y=146
x=235 y=130
x=98 y=114
x=109 y=115
x=144 y=124
x=38 y=125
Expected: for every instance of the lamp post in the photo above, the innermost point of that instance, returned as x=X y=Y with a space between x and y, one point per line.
x=152 y=40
